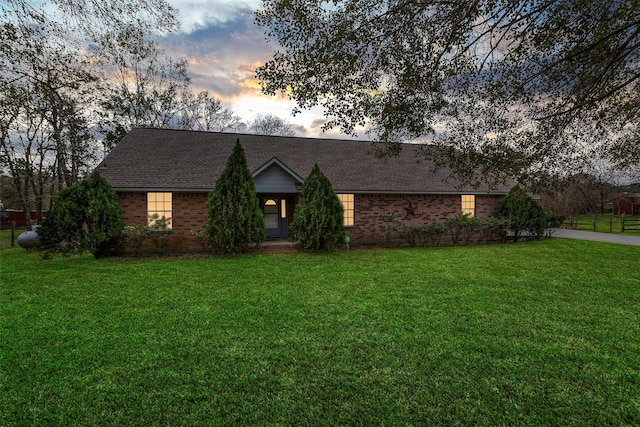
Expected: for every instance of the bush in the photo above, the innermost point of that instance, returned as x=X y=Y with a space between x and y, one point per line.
x=234 y=218
x=462 y=225
x=318 y=221
x=523 y=214
x=201 y=237
x=136 y=234
x=554 y=221
x=160 y=232
x=424 y=234
x=492 y=226
x=432 y=233
x=85 y=216
x=411 y=233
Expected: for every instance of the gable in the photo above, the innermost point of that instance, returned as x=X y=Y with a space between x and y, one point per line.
x=276 y=177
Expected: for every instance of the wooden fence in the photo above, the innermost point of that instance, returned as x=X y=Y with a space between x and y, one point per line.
x=10 y=216
x=606 y=224
x=630 y=223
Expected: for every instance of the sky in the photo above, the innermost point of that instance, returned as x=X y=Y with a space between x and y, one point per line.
x=223 y=47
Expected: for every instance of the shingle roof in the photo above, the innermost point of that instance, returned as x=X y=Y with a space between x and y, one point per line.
x=176 y=160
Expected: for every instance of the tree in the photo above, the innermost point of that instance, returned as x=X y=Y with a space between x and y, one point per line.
x=45 y=139
x=84 y=216
x=234 y=218
x=523 y=214
x=143 y=87
x=94 y=16
x=503 y=87
x=8 y=193
x=318 y=220
x=206 y=113
x=268 y=124
x=72 y=70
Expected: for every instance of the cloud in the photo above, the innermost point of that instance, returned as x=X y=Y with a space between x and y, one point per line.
x=224 y=47
x=196 y=15
x=224 y=53
x=227 y=85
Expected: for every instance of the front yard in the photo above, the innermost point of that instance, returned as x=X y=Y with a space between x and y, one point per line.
x=539 y=333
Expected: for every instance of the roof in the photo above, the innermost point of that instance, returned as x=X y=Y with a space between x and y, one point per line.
x=177 y=160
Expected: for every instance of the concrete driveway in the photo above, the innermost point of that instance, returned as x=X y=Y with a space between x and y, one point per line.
x=597 y=237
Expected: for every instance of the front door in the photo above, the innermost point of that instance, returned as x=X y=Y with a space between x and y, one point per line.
x=275 y=216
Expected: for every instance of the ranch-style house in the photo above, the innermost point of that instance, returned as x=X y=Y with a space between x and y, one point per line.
x=172 y=172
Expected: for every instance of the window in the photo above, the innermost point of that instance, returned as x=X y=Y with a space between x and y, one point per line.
x=270 y=210
x=469 y=204
x=348 y=206
x=159 y=204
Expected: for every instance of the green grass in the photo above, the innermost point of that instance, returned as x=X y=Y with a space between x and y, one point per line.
x=539 y=333
x=5 y=237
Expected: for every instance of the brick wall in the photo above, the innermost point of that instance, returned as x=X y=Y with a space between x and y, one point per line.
x=377 y=215
x=189 y=213
x=487 y=206
x=133 y=208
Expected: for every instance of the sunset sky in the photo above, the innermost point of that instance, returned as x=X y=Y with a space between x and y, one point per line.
x=224 y=47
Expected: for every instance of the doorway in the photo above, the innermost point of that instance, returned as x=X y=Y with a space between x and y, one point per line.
x=275 y=216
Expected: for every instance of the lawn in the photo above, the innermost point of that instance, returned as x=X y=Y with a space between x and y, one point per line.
x=538 y=333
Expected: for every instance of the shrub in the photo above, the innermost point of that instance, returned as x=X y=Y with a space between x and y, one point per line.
x=425 y=234
x=524 y=215
x=492 y=226
x=553 y=221
x=411 y=233
x=160 y=232
x=318 y=218
x=136 y=234
x=201 y=237
x=85 y=216
x=234 y=218
x=463 y=225
x=433 y=233
x=470 y=225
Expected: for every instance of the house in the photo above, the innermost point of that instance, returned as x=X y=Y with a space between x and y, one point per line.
x=627 y=204
x=172 y=172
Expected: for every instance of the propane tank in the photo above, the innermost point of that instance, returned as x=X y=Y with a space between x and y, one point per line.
x=29 y=239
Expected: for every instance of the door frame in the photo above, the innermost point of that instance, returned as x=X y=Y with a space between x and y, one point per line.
x=282 y=205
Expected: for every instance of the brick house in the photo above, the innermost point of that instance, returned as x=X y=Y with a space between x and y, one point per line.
x=172 y=172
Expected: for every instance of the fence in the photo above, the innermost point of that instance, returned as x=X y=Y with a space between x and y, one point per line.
x=604 y=224
x=630 y=223
x=9 y=216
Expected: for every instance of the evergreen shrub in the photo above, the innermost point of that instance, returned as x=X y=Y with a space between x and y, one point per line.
x=318 y=221
x=524 y=216
x=84 y=217
x=234 y=218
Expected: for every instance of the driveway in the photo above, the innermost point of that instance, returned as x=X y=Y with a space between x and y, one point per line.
x=597 y=237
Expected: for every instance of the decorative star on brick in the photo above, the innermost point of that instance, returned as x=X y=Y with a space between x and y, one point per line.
x=410 y=209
